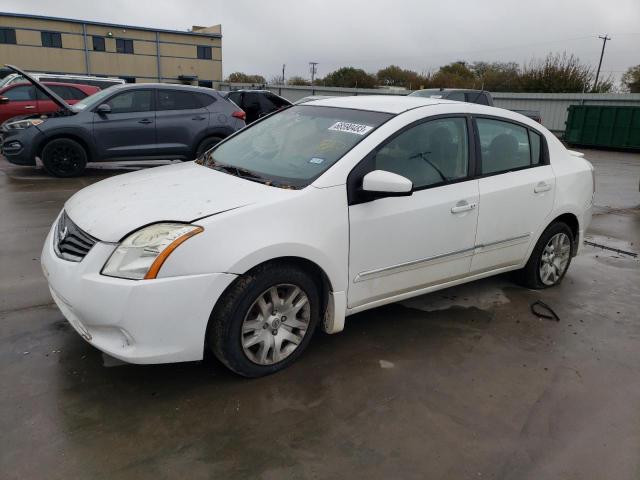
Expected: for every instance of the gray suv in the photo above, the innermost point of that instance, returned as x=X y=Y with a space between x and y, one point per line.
x=128 y=122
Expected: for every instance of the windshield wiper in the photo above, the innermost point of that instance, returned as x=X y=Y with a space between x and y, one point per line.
x=240 y=172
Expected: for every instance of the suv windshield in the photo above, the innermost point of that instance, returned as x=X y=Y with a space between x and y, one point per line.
x=295 y=146
x=91 y=100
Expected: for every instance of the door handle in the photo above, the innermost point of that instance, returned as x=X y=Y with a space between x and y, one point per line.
x=541 y=187
x=463 y=206
x=198 y=118
x=145 y=121
x=29 y=107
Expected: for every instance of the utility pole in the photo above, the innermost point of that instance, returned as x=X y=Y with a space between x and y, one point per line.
x=313 y=68
x=283 y=80
x=604 y=39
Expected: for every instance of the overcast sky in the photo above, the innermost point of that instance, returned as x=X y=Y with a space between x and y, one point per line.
x=259 y=36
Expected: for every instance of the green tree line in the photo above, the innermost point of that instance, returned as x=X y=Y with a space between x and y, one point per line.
x=556 y=73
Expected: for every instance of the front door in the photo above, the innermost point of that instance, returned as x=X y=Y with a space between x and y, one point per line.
x=516 y=193
x=402 y=244
x=129 y=130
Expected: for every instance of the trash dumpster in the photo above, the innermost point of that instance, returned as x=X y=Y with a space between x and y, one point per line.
x=603 y=126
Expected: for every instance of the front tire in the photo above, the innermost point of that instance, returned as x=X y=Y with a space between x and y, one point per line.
x=63 y=157
x=265 y=320
x=550 y=258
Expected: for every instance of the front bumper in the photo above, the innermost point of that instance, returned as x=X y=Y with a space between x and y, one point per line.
x=20 y=146
x=146 y=321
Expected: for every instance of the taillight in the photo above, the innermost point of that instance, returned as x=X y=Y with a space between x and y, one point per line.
x=239 y=114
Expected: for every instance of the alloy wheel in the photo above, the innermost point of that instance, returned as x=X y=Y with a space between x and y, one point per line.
x=555 y=259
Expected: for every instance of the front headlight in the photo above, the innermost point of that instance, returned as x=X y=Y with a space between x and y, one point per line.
x=22 y=124
x=141 y=254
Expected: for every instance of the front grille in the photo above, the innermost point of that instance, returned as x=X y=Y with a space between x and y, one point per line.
x=71 y=242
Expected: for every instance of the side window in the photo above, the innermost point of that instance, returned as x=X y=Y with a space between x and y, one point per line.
x=504 y=146
x=536 y=148
x=132 y=101
x=477 y=97
x=277 y=101
x=457 y=96
x=432 y=152
x=23 y=93
x=176 y=100
x=204 y=99
x=235 y=98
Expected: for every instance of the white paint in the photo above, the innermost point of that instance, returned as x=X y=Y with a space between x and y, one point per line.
x=247 y=223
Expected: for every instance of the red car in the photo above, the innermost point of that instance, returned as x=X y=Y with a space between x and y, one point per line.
x=22 y=98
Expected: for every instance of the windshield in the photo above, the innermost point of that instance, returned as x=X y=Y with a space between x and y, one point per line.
x=91 y=100
x=9 y=79
x=295 y=146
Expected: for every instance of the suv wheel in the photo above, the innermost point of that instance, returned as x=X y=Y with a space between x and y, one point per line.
x=265 y=320
x=64 y=157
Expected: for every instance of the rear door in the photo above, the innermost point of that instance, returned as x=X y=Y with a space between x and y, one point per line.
x=22 y=101
x=130 y=129
x=180 y=118
x=517 y=187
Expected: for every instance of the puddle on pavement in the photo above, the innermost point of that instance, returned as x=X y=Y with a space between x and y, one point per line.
x=483 y=295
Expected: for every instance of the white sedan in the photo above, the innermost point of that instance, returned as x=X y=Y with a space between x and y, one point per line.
x=308 y=216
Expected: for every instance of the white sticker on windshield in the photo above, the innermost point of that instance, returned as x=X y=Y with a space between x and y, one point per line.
x=316 y=160
x=351 y=128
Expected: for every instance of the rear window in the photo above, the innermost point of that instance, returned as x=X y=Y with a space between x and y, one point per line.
x=295 y=146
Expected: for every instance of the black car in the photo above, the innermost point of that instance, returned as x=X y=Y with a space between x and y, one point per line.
x=128 y=122
x=257 y=103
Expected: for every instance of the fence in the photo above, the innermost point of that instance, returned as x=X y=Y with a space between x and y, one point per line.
x=553 y=107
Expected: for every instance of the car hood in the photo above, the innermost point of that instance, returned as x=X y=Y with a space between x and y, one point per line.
x=110 y=209
x=43 y=88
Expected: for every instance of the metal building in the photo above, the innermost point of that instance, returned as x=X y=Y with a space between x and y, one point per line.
x=137 y=54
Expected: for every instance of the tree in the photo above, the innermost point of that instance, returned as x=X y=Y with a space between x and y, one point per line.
x=497 y=76
x=631 y=79
x=560 y=73
x=349 y=77
x=454 y=75
x=239 y=77
x=394 y=76
x=298 y=81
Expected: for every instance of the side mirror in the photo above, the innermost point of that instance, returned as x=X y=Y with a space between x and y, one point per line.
x=103 y=109
x=4 y=100
x=381 y=183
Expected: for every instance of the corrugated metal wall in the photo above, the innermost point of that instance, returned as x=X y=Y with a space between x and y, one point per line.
x=552 y=106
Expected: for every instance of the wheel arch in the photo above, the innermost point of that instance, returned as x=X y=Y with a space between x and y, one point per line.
x=316 y=272
x=221 y=132
x=567 y=217
x=71 y=136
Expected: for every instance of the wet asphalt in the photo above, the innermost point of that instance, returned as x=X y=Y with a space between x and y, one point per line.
x=462 y=383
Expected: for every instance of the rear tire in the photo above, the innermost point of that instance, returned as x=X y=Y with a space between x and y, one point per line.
x=63 y=157
x=207 y=144
x=251 y=346
x=550 y=258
